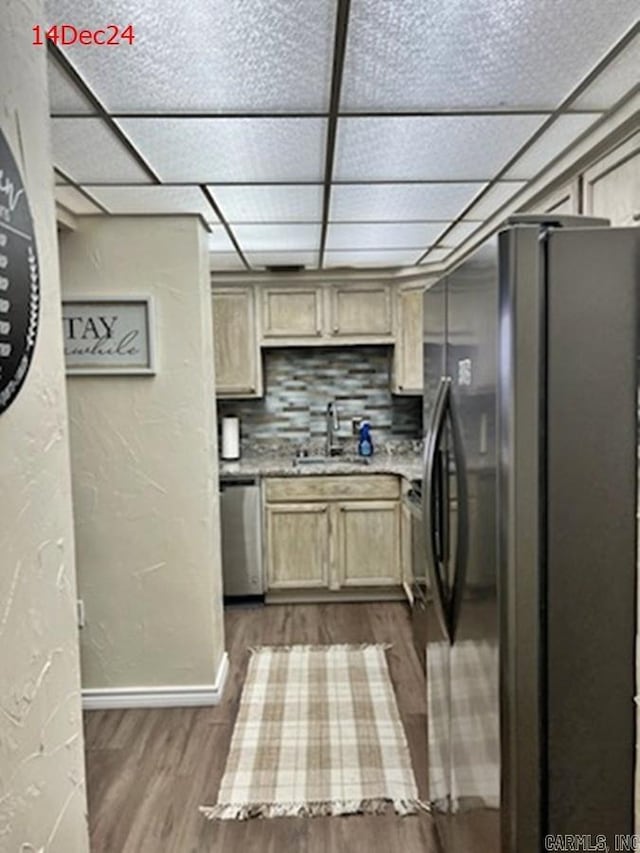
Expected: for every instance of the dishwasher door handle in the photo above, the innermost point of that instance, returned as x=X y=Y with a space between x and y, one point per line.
x=237 y=481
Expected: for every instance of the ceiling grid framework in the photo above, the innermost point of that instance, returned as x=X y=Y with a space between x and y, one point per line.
x=329 y=133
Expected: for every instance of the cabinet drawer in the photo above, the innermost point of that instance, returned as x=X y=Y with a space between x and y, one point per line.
x=340 y=487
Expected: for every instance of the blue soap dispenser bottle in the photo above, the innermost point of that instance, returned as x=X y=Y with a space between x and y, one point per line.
x=365 y=442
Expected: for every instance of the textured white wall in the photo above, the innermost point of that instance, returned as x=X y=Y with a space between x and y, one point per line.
x=42 y=796
x=144 y=464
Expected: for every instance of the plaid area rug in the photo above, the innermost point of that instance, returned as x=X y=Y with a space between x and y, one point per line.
x=318 y=733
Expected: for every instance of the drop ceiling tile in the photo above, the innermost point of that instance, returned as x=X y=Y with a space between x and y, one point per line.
x=218 y=240
x=277 y=238
x=64 y=96
x=266 y=259
x=227 y=55
x=383 y=235
x=456 y=148
x=494 y=198
x=71 y=198
x=564 y=130
x=225 y=261
x=416 y=55
x=285 y=203
x=88 y=151
x=242 y=150
x=153 y=199
x=386 y=202
x=371 y=258
x=620 y=76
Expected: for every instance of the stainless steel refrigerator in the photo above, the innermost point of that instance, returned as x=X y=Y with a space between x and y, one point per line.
x=526 y=612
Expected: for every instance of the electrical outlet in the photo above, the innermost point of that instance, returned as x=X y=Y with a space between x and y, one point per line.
x=80 y=612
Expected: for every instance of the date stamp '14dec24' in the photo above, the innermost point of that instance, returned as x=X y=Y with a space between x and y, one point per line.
x=64 y=35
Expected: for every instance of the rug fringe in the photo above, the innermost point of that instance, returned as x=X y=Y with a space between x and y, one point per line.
x=376 y=806
x=345 y=647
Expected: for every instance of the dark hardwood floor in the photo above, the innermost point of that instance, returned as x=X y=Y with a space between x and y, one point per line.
x=149 y=770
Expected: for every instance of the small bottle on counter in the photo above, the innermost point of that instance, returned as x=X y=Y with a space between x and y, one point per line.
x=365 y=442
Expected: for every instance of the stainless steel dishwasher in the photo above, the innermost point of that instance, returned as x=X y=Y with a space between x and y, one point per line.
x=241 y=538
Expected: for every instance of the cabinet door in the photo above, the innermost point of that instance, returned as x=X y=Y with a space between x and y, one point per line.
x=297 y=546
x=612 y=186
x=407 y=357
x=361 y=311
x=368 y=549
x=235 y=343
x=406 y=550
x=291 y=312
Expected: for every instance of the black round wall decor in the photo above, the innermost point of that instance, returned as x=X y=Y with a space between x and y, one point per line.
x=19 y=280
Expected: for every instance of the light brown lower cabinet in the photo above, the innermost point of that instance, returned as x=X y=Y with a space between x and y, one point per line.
x=369 y=543
x=406 y=548
x=298 y=546
x=336 y=544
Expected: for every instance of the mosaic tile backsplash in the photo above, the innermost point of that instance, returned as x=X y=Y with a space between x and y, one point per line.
x=299 y=382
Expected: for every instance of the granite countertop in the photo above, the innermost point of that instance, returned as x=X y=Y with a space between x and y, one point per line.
x=407 y=465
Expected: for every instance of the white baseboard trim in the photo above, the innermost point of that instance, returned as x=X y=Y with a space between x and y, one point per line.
x=169 y=696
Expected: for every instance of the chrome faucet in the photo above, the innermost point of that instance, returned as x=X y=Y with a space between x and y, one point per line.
x=333 y=424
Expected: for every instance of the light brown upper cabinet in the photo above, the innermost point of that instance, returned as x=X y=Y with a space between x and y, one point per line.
x=291 y=312
x=325 y=314
x=235 y=343
x=564 y=200
x=612 y=185
x=361 y=311
x=407 y=356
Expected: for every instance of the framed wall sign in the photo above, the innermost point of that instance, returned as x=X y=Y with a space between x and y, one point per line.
x=19 y=280
x=108 y=336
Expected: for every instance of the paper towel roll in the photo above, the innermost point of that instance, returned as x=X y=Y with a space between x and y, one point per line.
x=230 y=438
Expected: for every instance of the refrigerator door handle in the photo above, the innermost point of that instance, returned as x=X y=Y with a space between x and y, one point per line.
x=432 y=532
x=443 y=505
x=462 y=525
